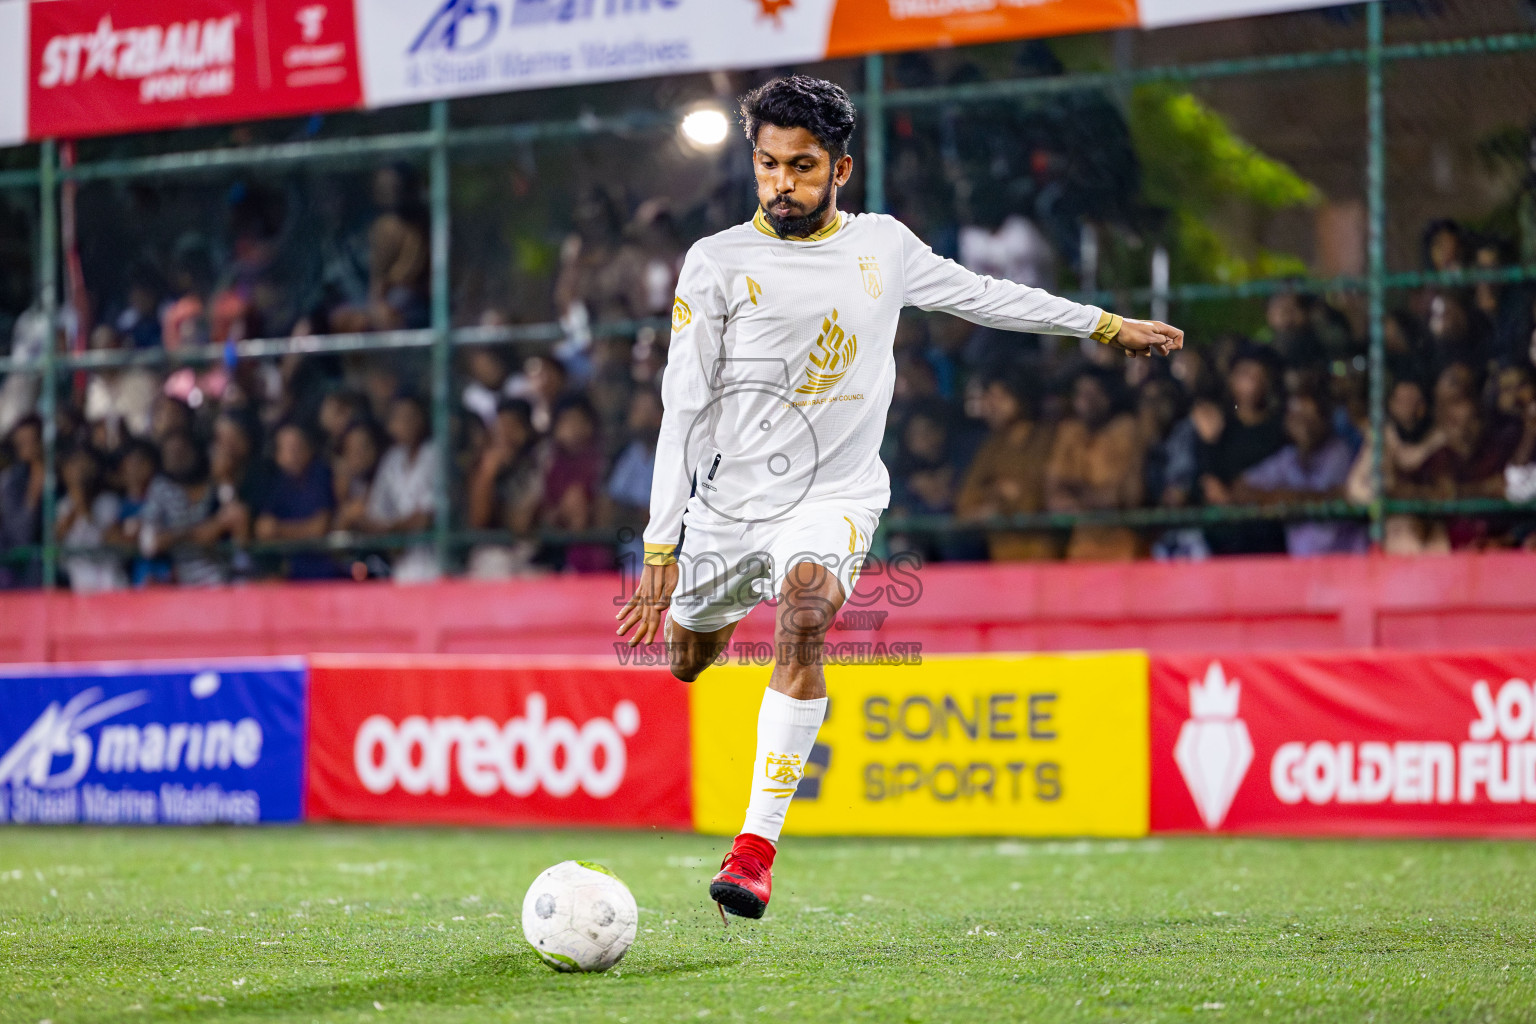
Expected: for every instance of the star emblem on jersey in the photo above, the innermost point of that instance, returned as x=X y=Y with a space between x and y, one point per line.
x=774 y=9
x=682 y=315
x=869 y=267
x=830 y=357
x=1214 y=749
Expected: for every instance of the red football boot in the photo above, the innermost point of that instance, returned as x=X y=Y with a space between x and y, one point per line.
x=745 y=880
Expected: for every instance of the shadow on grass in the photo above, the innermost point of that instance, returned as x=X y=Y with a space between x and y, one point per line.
x=488 y=980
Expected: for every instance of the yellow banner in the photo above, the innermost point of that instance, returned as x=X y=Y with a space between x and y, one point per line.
x=1017 y=745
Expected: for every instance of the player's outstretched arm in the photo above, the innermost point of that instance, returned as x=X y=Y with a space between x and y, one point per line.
x=645 y=606
x=1147 y=338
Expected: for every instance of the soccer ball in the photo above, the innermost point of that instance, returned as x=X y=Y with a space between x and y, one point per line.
x=578 y=916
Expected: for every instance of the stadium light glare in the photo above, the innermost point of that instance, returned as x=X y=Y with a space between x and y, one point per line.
x=706 y=127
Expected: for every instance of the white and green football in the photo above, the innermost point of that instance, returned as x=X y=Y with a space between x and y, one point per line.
x=578 y=916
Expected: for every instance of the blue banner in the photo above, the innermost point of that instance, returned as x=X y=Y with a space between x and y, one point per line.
x=171 y=744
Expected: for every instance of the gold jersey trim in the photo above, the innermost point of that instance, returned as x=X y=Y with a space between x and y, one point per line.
x=660 y=554
x=760 y=221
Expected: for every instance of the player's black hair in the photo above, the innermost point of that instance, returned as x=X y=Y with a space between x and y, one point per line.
x=799 y=101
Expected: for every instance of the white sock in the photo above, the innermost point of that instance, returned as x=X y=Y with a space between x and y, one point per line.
x=786 y=731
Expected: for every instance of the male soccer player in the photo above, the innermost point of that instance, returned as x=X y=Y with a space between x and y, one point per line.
x=777 y=384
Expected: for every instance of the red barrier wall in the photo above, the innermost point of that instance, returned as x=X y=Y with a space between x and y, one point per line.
x=1462 y=601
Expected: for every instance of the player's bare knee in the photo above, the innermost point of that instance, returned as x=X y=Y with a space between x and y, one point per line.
x=808 y=603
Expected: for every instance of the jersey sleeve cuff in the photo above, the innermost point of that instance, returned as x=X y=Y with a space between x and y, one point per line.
x=660 y=554
x=1109 y=326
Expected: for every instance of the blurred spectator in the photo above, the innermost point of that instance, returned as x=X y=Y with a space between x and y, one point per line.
x=179 y=500
x=489 y=382
x=592 y=286
x=137 y=465
x=339 y=411
x=1288 y=316
x=628 y=491
x=403 y=496
x=21 y=496
x=1470 y=464
x=505 y=493
x=1313 y=467
x=1517 y=402
x=542 y=384
x=183 y=320
x=923 y=477
x=299 y=504
x=398 y=257
x=571 y=483
x=1007 y=476
x=1409 y=440
x=87 y=516
x=122 y=398
x=352 y=473
x=1455 y=334
x=139 y=322
x=1095 y=464
x=650 y=260
x=1234 y=441
x=1445 y=246
x=169 y=416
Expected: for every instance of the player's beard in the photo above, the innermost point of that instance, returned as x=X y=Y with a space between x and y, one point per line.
x=803 y=224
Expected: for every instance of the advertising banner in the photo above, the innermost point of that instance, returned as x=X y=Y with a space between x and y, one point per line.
x=1157 y=13
x=146 y=745
x=485 y=742
x=1375 y=743
x=13 y=71
x=1003 y=745
x=71 y=68
x=424 y=49
x=873 y=26
x=100 y=67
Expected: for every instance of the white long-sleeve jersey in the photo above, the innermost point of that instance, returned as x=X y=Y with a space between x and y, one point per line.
x=780 y=371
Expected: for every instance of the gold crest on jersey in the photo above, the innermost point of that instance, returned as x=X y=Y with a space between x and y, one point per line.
x=830 y=358
x=870 y=268
x=682 y=316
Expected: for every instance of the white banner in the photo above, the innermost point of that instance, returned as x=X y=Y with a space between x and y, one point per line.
x=414 y=50
x=13 y=71
x=1157 y=13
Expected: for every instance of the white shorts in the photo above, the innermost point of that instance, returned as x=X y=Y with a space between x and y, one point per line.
x=725 y=568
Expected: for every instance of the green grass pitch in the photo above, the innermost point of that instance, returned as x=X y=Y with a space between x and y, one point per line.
x=364 y=924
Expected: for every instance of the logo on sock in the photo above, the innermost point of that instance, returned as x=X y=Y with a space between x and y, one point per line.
x=783 y=768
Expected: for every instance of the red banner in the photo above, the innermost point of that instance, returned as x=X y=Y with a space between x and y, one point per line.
x=100 y=67
x=1375 y=743
x=485 y=742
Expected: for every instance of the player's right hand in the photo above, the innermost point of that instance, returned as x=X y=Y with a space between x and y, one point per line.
x=1147 y=338
x=645 y=606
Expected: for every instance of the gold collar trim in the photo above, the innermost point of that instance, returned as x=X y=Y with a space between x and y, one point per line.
x=760 y=221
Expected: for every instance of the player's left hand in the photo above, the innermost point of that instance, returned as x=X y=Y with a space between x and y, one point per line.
x=1147 y=338
x=652 y=597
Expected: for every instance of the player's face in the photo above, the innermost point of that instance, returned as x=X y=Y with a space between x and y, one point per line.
x=796 y=176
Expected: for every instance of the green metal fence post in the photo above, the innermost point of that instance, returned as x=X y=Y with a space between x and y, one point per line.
x=442 y=340
x=1376 y=270
x=48 y=281
x=874 y=133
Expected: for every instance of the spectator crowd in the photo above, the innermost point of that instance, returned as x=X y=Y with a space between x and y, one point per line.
x=311 y=466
